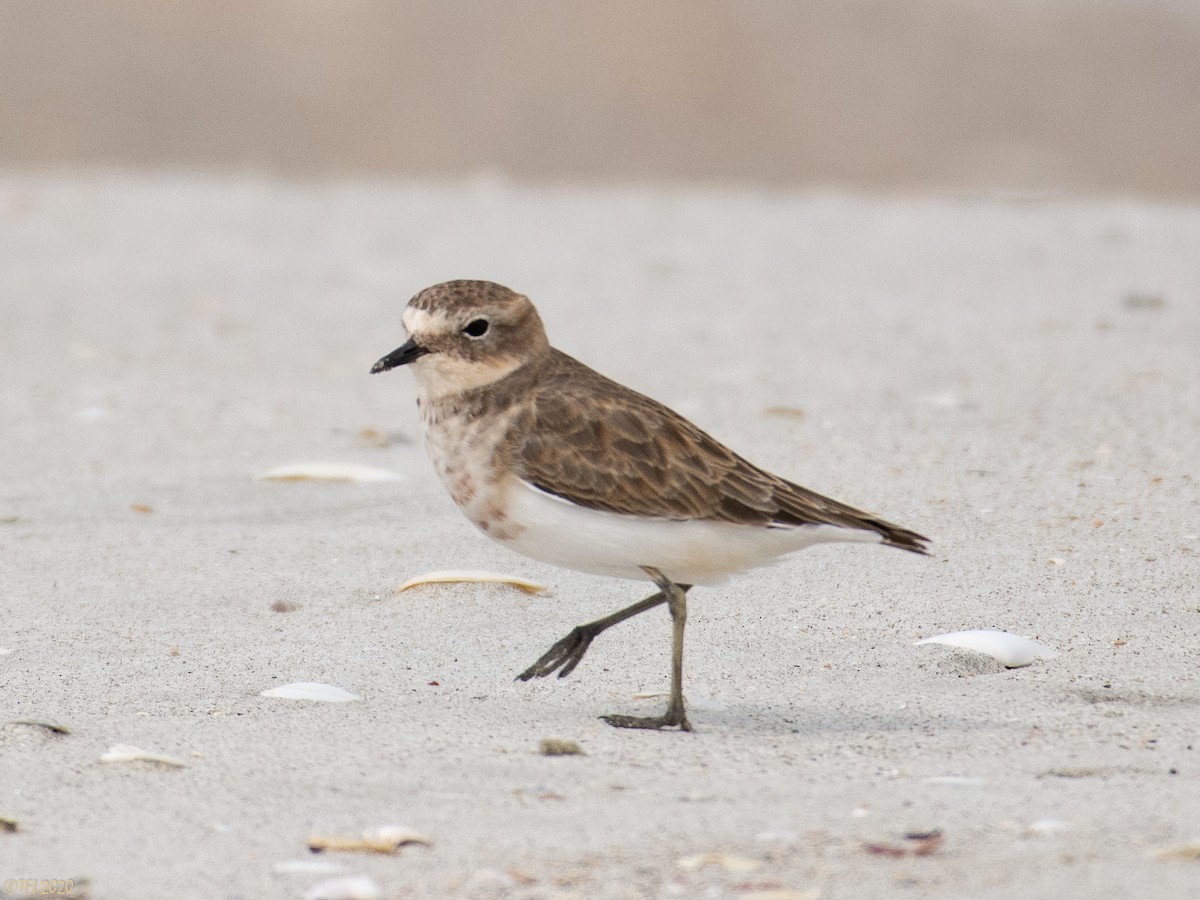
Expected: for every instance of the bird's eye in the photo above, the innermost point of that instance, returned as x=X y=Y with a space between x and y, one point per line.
x=476 y=328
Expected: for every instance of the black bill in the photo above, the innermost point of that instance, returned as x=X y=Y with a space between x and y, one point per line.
x=401 y=356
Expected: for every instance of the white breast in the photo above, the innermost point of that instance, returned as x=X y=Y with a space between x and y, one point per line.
x=554 y=530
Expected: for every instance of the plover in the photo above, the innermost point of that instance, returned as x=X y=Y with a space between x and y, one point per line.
x=553 y=460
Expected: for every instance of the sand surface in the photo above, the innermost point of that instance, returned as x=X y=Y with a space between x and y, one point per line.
x=1021 y=382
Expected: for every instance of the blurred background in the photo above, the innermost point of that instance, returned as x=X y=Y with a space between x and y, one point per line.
x=1092 y=97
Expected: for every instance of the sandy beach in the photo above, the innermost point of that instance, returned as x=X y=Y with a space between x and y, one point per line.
x=1018 y=381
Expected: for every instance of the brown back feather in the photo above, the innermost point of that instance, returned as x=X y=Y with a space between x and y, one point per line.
x=620 y=451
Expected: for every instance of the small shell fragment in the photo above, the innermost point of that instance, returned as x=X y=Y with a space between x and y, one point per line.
x=130 y=753
x=922 y=843
x=385 y=839
x=1190 y=850
x=311 y=690
x=452 y=576
x=349 y=887
x=392 y=837
x=559 y=747
x=52 y=727
x=9 y=825
x=925 y=843
x=1010 y=650
x=726 y=861
x=328 y=471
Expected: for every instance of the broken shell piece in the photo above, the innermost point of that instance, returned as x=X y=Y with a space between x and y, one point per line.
x=351 y=887
x=130 y=753
x=311 y=690
x=386 y=839
x=4 y=651
x=559 y=747
x=922 y=843
x=328 y=471
x=1190 y=850
x=9 y=825
x=726 y=861
x=1010 y=650
x=51 y=727
x=926 y=842
x=452 y=576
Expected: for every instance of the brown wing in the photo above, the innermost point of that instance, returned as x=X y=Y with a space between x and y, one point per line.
x=601 y=445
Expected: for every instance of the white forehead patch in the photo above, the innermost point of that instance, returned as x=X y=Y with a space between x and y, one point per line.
x=422 y=321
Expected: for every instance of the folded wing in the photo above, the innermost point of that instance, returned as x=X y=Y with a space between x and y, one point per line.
x=603 y=446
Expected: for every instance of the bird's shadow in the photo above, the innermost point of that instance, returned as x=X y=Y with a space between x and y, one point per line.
x=786 y=720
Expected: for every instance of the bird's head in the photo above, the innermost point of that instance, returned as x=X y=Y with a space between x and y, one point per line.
x=466 y=334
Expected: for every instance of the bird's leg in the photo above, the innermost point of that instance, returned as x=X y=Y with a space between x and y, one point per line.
x=676 y=714
x=567 y=652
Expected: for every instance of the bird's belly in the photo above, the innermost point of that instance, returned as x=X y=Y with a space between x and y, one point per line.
x=554 y=530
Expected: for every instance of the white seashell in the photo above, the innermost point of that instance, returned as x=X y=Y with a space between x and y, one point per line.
x=311 y=690
x=1010 y=650
x=386 y=839
x=4 y=651
x=451 y=576
x=307 y=867
x=1190 y=850
x=328 y=471
x=726 y=861
x=52 y=727
x=130 y=753
x=350 y=887
x=392 y=837
x=782 y=838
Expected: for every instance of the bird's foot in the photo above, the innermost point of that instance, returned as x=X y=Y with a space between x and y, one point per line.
x=564 y=655
x=674 y=717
